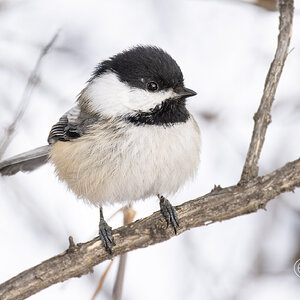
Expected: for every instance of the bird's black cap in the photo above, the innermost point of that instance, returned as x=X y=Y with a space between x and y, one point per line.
x=142 y=64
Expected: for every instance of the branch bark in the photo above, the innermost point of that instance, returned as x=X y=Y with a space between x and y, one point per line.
x=251 y=194
x=220 y=204
x=262 y=117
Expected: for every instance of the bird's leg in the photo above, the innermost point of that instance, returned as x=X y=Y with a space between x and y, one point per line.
x=168 y=212
x=105 y=233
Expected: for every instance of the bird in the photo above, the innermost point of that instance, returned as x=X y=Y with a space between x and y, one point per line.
x=128 y=137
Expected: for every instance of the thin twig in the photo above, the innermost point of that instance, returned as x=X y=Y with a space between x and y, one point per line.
x=129 y=215
x=31 y=83
x=100 y=284
x=262 y=118
x=118 y=286
x=219 y=205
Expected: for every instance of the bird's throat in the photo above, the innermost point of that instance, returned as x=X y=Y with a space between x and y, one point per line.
x=168 y=113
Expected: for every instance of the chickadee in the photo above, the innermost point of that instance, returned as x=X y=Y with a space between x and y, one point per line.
x=129 y=136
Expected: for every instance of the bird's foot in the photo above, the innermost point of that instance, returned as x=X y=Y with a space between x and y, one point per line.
x=105 y=234
x=168 y=212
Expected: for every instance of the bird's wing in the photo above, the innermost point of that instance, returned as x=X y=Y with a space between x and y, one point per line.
x=25 y=162
x=73 y=124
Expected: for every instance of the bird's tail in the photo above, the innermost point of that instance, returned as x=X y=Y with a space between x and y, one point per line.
x=25 y=162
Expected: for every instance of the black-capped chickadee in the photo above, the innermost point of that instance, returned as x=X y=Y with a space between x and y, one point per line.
x=129 y=136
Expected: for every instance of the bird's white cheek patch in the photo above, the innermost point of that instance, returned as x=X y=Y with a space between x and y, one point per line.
x=111 y=97
x=144 y=100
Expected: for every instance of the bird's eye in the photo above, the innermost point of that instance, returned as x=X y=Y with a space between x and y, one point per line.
x=152 y=86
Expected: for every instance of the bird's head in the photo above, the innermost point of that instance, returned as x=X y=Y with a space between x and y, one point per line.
x=136 y=83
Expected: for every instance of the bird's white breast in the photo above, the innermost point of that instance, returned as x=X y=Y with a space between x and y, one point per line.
x=128 y=164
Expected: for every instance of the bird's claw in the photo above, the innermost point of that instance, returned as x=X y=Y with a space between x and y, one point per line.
x=105 y=234
x=168 y=212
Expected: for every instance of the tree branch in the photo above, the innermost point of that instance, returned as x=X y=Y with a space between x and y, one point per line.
x=220 y=204
x=262 y=117
x=31 y=83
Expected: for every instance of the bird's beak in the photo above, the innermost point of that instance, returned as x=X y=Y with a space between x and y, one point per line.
x=184 y=92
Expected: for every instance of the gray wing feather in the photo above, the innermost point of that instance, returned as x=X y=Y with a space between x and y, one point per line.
x=25 y=162
x=66 y=124
x=73 y=124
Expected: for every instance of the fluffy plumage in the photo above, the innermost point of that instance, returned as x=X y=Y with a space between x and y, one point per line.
x=130 y=163
x=122 y=141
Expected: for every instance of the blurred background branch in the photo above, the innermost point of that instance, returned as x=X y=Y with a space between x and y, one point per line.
x=31 y=83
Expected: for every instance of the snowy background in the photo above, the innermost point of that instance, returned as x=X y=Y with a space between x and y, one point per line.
x=224 y=49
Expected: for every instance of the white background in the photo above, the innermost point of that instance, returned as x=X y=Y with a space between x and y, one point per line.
x=224 y=49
